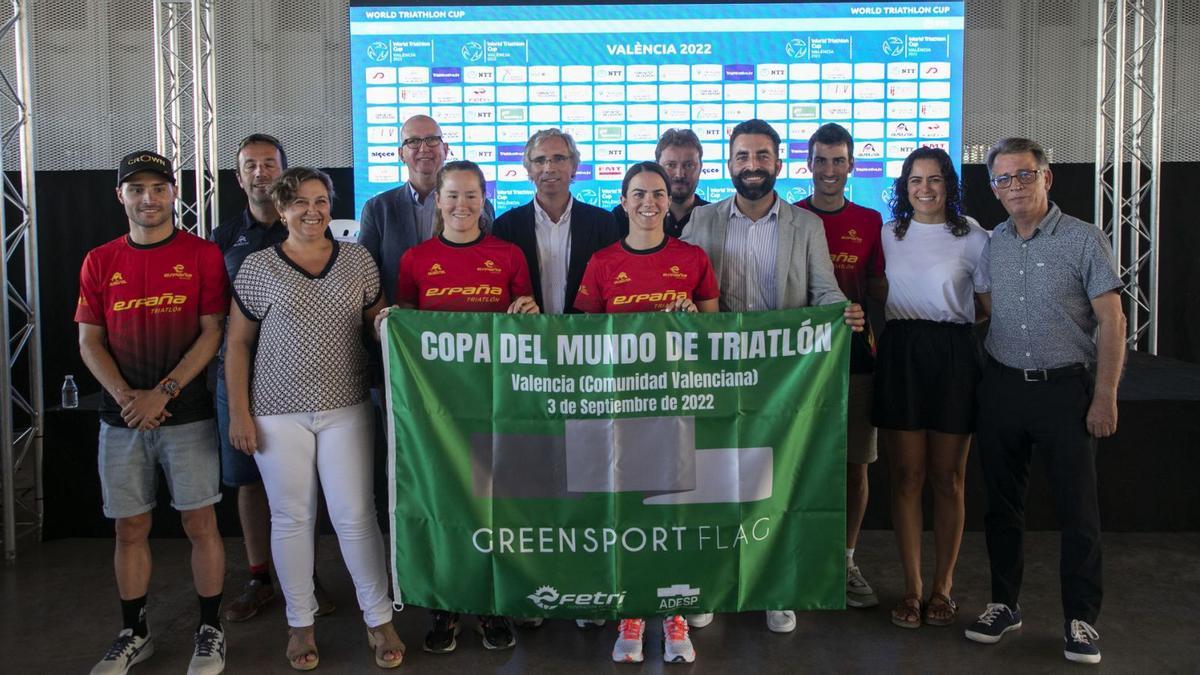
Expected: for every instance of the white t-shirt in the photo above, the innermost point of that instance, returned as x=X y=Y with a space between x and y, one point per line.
x=932 y=274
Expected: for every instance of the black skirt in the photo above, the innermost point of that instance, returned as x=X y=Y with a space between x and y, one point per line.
x=925 y=377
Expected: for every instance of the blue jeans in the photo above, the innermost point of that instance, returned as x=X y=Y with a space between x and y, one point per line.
x=237 y=468
x=128 y=467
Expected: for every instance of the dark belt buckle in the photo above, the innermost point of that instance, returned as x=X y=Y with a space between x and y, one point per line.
x=1036 y=375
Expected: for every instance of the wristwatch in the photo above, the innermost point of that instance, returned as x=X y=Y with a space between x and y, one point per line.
x=170 y=387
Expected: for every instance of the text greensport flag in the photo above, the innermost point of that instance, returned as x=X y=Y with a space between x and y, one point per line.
x=618 y=465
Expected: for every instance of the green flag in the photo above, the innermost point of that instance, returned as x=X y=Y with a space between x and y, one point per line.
x=617 y=465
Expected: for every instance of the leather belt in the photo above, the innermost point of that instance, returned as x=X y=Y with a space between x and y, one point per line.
x=1040 y=374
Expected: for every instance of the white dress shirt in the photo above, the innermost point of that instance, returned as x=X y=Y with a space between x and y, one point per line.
x=554 y=254
x=751 y=246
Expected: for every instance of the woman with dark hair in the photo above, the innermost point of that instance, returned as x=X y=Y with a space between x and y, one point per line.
x=927 y=369
x=466 y=259
x=304 y=410
x=648 y=271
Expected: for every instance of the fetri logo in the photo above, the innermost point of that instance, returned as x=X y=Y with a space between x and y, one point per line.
x=435 y=270
x=481 y=289
x=548 y=598
x=622 y=278
x=662 y=297
x=178 y=272
x=852 y=236
x=674 y=273
x=166 y=299
x=117 y=280
x=489 y=266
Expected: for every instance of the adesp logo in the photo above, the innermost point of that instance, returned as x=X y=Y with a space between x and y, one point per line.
x=676 y=596
x=548 y=598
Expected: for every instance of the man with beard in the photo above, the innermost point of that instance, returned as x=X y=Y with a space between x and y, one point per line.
x=151 y=306
x=396 y=220
x=680 y=153
x=260 y=160
x=767 y=254
x=856 y=248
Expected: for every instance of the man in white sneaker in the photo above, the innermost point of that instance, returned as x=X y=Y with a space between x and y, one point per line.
x=150 y=311
x=745 y=235
x=1048 y=388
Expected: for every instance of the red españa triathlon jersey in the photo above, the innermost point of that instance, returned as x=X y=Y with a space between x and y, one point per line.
x=485 y=275
x=854 y=235
x=149 y=299
x=620 y=279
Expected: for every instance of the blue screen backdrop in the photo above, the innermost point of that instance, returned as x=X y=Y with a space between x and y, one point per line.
x=616 y=76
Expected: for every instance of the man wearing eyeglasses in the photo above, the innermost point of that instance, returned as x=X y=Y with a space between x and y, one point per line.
x=1047 y=385
x=680 y=153
x=557 y=233
x=400 y=218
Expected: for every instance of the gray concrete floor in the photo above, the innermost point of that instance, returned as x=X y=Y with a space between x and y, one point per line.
x=59 y=613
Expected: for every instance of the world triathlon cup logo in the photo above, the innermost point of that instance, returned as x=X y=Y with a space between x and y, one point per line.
x=379 y=51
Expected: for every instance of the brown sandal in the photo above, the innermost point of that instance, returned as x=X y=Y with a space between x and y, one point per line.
x=907 y=612
x=940 y=610
x=302 y=642
x=384 y=641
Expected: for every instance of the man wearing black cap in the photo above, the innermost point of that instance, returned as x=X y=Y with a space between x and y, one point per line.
x=151 y=307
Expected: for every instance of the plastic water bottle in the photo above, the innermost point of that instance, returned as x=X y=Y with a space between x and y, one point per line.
x=70 y=393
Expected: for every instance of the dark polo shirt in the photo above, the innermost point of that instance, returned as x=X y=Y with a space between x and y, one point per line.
x=1042 y=288
x=671 y=226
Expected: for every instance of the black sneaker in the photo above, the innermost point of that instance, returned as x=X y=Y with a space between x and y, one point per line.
x=995 y=621
x=1080 y=647
x=441 y=637
x=497 y=632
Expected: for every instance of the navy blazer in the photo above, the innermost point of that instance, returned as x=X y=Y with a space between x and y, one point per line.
x=592 y=229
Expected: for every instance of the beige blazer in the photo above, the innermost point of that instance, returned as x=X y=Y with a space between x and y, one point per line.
x=803 y=270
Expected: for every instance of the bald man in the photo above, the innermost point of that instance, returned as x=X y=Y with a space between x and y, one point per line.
x=400 y=218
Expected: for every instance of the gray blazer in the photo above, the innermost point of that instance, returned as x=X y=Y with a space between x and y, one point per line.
x=803 y=270
x=387 y=229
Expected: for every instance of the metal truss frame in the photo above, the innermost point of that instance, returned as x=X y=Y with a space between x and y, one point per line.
x=21 y=403
x=184 y=97
x=1129 y=106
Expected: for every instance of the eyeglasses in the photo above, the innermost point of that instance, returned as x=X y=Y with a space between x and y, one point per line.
x=553 y=159
x=429 y=141
x=1023 y=177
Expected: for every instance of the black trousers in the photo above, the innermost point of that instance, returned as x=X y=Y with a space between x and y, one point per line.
x=1016 y=420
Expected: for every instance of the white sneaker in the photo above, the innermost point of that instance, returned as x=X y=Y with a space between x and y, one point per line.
x=125 y=651
x=209 y=656
x=858 y=592
x=590 y=623
x=781 y=621
x=700 y=620
x=677 y=646
x=628 y=648
x=535 y=622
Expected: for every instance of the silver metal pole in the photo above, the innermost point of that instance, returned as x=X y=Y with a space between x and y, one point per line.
x=1118 y=133
x=1156 y=167
x=210 y=99
x=1135 y=62
x=33 y=347
x=1100 y=200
